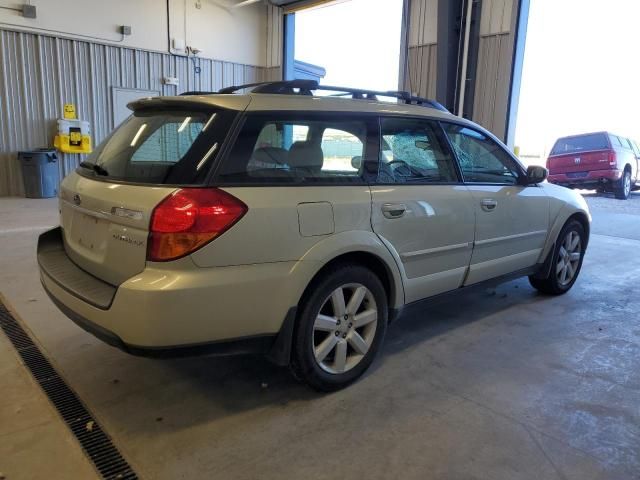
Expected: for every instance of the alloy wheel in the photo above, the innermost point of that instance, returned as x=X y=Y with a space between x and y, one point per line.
x=568 y=258
x=344 y=328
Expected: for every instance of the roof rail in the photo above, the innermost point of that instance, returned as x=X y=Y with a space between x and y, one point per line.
x=306 y=87
x=286 y=87
x=196 y=92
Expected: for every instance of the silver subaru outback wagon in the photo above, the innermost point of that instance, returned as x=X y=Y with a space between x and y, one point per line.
x=296 y=225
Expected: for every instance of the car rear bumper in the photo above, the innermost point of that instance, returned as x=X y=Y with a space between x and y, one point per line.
x=587 y=178
x=175 y=308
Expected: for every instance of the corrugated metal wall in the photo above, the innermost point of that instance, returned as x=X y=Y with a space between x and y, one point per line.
x=38 y=74
x=494 y=60
x=495 y=63
x=419 y=77
x=275 y=38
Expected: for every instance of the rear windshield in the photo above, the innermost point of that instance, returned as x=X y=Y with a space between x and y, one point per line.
x=161 y=147
x=595 y=141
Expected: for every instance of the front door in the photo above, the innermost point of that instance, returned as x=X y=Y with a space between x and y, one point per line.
x=420 y=209
x=512 y=220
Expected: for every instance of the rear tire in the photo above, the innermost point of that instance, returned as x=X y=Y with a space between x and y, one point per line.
x=340 y=328
x=566 y=263
x=622 y=189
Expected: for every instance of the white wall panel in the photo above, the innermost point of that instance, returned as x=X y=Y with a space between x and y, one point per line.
x=219 y=30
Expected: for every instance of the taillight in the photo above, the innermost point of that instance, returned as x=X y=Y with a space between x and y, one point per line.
x=188 y=219
x=612 y=158
x=548 y=163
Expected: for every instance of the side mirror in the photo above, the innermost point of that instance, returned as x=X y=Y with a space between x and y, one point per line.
x=536 y=174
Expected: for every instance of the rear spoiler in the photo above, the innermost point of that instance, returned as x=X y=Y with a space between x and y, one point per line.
x=195 y=102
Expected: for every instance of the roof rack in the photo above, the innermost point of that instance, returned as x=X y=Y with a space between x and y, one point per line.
x=306 y=87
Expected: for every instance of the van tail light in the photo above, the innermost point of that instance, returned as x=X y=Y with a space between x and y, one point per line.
x=188 y=219
x=612 y=158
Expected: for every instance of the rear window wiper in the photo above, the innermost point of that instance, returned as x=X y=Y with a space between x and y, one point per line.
x=95 y=167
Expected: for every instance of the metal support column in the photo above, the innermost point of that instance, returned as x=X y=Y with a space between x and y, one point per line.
x=448 y=47
x=288 y=45
x=516 y=70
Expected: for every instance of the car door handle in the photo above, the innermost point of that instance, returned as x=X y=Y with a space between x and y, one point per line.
x=394 y=210
x=488 y=204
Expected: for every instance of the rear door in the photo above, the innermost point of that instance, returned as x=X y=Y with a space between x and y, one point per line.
x=576 y=156
x=512 y=220
x=106 y=205
x=420 y=208
x=301 y=176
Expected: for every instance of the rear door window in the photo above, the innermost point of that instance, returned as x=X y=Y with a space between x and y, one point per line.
x=161 y=147
x=581 y=143
x=277 y=148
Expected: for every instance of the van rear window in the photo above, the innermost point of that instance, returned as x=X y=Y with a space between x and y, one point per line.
x=161 y=147
x=582 y=143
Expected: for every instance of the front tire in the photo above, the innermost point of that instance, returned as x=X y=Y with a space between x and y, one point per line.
x=566 y=262
x=623 y=188
x=340 y=327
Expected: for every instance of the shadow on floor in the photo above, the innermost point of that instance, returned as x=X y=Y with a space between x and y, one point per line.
x=224 y=386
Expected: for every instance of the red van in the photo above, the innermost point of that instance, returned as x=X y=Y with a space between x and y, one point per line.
x=598 y=160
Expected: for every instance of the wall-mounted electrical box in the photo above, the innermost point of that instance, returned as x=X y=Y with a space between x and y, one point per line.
x=179 y=44
x=29 y=11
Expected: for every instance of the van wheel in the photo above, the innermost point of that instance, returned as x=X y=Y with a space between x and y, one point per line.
x=623 y=187
x=567 y=261
x=340 y=327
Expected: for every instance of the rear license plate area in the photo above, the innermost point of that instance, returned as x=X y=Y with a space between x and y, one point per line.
x=577 y=174
x=88 y=231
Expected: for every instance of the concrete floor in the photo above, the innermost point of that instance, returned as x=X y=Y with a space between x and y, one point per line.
x=506 y=384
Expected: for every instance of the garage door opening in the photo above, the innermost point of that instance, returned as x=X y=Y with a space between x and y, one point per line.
x=357 y=42
x=580 y=74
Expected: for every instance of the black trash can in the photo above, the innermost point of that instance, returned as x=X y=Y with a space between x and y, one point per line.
x=40 y=173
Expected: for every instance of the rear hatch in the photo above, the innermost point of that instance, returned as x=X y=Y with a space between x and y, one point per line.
x=106 y=205
x=582 y=153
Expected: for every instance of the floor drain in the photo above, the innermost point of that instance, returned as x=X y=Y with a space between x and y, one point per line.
x=97 y=445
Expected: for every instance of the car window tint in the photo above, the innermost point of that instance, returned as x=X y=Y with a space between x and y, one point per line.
x=414 y=151
x=170 y=142
x=481 y=159
x=296 y=151
x=162 y=146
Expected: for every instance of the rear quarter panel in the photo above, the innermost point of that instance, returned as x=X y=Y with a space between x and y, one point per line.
x=305 y=224
x=270 y=231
